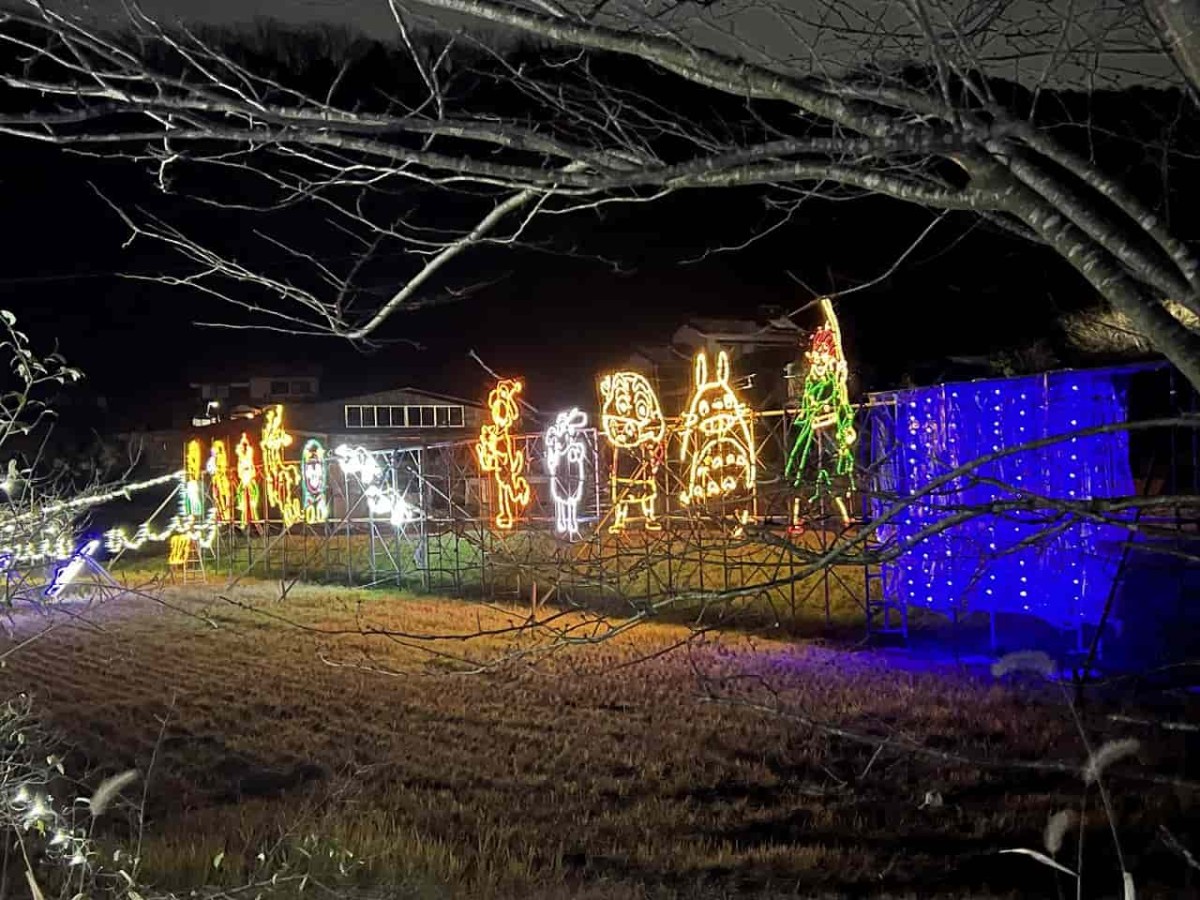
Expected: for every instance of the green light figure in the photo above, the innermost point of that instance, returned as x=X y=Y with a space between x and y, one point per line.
x=825 y=406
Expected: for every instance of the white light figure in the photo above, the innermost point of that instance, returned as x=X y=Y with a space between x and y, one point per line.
x=384 y=501
x=565 y=453
x=67 y=573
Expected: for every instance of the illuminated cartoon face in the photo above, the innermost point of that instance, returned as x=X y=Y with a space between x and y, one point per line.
x=715 y=409
x=718 y=442
x=630 y=413
x=314 y=468
x=502 y=402
x=823 y=357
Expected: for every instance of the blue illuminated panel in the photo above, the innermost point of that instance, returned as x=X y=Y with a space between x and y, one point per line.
x=1043 y=563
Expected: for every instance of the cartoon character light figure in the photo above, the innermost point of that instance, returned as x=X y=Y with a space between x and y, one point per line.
x=247 y=483
x=717 y=442
x=498 y=454
x=219 y=481
x=191 y=502
x=565 y=454
x=314 y=479
x=382 y=499
x=825 y=406
x=281 y=477
x=633 y=424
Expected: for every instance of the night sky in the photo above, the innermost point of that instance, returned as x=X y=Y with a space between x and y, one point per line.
x=546 y=316
x=556 y=319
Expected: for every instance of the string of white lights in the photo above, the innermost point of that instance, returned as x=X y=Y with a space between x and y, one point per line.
x=57 y=541
x=85 y=501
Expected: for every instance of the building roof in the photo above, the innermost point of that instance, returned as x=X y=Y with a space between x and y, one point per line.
x=383 y=396
x=216 y=371
x=737 y=331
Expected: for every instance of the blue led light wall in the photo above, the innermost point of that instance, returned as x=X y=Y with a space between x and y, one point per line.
x=1035 y=563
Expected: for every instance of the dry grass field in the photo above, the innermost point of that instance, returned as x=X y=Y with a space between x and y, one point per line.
x=295 y=742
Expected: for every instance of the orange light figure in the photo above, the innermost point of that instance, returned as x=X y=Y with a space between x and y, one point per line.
x=247 y=483
x=717 y=442
x=282 y=478
x=220 y=482
x=497 y=453
x=633 y=424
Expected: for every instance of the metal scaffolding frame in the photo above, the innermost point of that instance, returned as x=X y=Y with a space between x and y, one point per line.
x=453 y=548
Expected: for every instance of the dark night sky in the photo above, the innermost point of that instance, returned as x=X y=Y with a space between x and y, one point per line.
x=548 y=317
x=557 y=320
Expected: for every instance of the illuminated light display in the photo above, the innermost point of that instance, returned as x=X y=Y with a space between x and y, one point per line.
x=498 y=455
x=566 y=451
x=247 y=483
x=633 y=424
x=220 y=481
x=12 y=524
x=282 y=478
x=717 y=442
x=1025 y=562
x=180 y=550
x=358 y=462
x=382 y=499
x=314 y=475
x=192 y=499
x=116 y=539
x=190 y=521
x=68 y=572
x=825 y=408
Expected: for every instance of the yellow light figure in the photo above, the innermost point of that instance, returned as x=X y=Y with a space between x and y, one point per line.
x=220 y=482
x=180 y=550
x=282 y=478
x=717 y=442
x=635 y=429
x=247 y=483
x=497 y=453
x=192 y=502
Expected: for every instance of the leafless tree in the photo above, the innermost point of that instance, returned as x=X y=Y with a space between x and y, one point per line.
x=1178 y=24
x=951 y=106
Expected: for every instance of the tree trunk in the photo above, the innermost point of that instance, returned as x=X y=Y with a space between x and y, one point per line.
x=1178 y=25
x=1146 y=313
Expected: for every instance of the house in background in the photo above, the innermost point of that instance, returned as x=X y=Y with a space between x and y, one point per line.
x=401 y=417
x=220 y=398
x=759 y=349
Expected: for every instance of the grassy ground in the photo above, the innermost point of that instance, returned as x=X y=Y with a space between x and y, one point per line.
x=306 y=745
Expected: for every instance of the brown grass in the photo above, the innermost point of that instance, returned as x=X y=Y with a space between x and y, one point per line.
x=539 y=777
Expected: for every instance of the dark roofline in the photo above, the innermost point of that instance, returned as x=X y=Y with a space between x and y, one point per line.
x=408 y=388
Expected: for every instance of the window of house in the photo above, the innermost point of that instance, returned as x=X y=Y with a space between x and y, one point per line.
x=302 y=387
x=279 y=387
x=443 y=416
